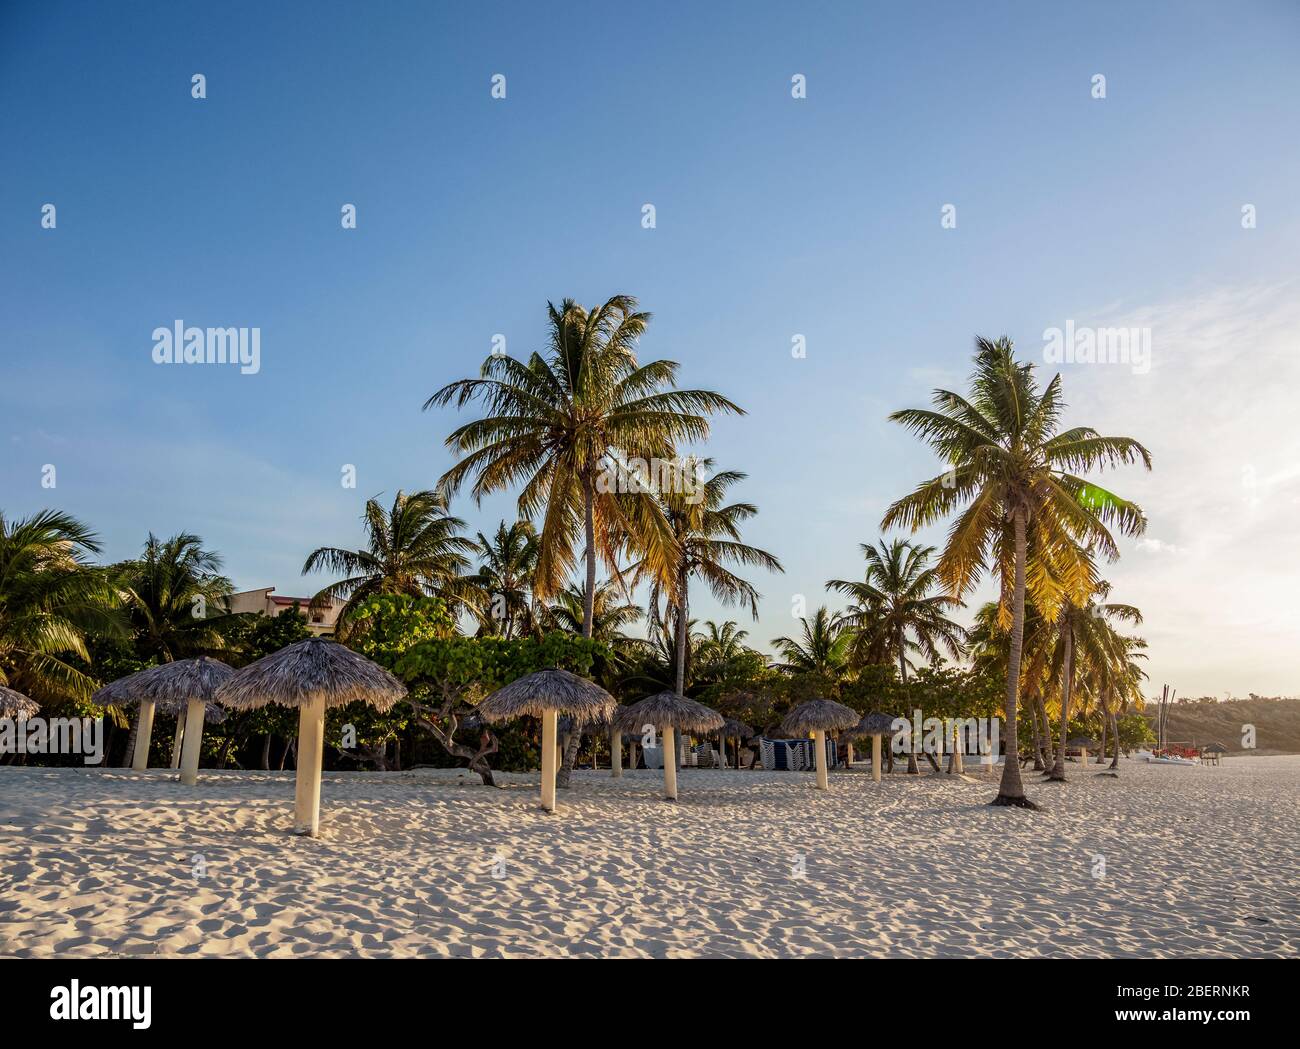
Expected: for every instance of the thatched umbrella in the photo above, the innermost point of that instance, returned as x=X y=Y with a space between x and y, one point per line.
x=184 y=687
x=819 y=716
x=1083 y=744
x=1215 y=749
x=310 y=675
x=875 y=726
x=13 y=704
x=734 y=728
x=122 y=693
x=543 y=694
x=669 y=712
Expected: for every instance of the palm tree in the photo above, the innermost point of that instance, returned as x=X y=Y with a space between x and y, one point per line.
x=175 y=597
x=896 y=611
x=1011 y=479
x=990 y=646
x=720 y=644
x=1086 y=638
x=611 y=612
x=415 y=548
x=1125 y=687
x=559 y=423
x=706 y=541
x=51 y=601
x=504 y=578
x=822 y=649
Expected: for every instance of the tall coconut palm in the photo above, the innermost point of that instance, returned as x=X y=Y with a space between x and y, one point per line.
x=611 y=613
x=504 y=578
x=1125 y=688
x=414 y=548
x=559 y=423
x=1086 y=638
x=990 y=644
x=51 y=601
x=707 y=544
x=822 y=648
x=1011 y=478
x=895 y=611
x=176 y=598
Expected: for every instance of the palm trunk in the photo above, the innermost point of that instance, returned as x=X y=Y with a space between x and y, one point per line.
x=130 y=741
x=565 y=771
x=266 y=751
x=1047 y=729
x=1114 y=732
x=1038 y=739
x=681 y=636
x=1012 y=791
x=912 y=768
x=1105 y=719
x=1067 y=682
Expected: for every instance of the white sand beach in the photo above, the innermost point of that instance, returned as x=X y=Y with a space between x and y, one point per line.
x=1198 y=862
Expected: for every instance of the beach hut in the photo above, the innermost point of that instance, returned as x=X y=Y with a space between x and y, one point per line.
x=13 y=704
x=670 y=713
x=733 y=728
x=1212 y=752
x=185 y=687
x=819 y=716
x=875 y=726
x=310 y=675
x=546 y=694
x=1082 y=744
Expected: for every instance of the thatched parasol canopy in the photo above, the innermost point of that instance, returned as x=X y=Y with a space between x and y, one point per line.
x=120 y=693
x=875 y=725
x=668 y=709
x=1214 y=748
x=819 y=715
x=1084 y=742
x=550 y=689
x=172 y=685
x=306 y=671
x=13 y=704
x=737 y=728
x=175 y=684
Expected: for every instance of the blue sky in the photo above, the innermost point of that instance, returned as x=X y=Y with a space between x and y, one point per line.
x=775 y=217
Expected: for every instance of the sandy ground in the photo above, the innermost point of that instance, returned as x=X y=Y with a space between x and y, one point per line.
x=1197 y=861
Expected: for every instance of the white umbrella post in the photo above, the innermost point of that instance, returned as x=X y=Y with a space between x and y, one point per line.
x=193 y=745
x=143 y=734
x=670 y=763
x=176 y=742
x=311 y=749
x=550 y=752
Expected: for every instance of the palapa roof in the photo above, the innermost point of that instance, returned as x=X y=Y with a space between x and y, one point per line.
x=1214 y=748
x=669 y=710
x=875 y=725
x=308 y=670
x=1086 y=742
x=736 y=727
x=819 y=715
x=172 y=685
x=550 y=689
x=13 y=704
x=119 y=693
